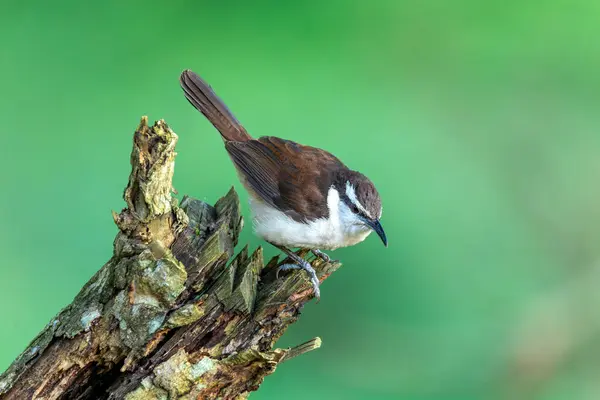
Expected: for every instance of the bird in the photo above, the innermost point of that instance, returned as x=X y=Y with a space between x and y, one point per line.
x=299 y=196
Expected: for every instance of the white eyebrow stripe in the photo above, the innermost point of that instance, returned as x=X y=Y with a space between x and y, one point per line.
x=351 y=193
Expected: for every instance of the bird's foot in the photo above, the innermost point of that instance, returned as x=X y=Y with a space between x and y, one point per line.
x=321 y=255
x=305 y=265
x=286 y=267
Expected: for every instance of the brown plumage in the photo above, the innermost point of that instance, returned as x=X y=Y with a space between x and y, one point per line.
x=201 y=96
x=366 y=193
x=301 y=196
x=280 y=172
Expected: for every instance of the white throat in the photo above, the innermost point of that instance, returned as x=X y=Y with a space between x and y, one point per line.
x=340 y=229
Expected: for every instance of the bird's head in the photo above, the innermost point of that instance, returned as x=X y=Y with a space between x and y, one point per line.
x=360 y=205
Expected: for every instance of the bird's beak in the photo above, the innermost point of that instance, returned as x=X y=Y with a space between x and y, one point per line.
x=376 y=226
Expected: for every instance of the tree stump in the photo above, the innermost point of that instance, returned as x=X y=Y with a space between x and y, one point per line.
x=167 y=317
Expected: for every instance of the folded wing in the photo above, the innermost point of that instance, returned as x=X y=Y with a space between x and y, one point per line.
x=286 y=175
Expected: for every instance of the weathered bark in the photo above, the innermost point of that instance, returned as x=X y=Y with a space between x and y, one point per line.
x=167 y=317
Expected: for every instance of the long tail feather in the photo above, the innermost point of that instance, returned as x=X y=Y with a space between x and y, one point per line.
x=201 y=96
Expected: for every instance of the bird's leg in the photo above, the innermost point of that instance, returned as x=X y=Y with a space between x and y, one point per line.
x=321 y=255
x=300 y=263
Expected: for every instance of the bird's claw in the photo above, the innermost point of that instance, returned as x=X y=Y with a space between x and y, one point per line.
x=315 y=284
x=321 y=255
x=305 y=265
x=286 y=267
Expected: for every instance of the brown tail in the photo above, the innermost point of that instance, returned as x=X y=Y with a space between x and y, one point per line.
x=201 y=96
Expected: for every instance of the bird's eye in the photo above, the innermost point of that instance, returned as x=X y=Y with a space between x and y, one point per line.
x=354 y=209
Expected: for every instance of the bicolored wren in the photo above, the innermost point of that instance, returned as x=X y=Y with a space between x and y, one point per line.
x=300 y=196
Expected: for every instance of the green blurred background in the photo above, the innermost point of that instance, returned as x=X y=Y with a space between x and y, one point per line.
x=478 y=121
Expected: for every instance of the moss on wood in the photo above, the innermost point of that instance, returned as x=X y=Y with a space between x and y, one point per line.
x=168 y=316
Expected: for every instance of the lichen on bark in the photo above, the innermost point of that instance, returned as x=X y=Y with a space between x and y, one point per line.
x=168 y=316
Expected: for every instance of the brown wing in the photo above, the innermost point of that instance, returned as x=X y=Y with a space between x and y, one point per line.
x=286 y=175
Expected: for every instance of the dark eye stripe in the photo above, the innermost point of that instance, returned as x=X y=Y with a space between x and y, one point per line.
x=352 y=206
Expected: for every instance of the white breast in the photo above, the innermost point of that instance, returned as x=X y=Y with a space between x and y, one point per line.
x=324 y=233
